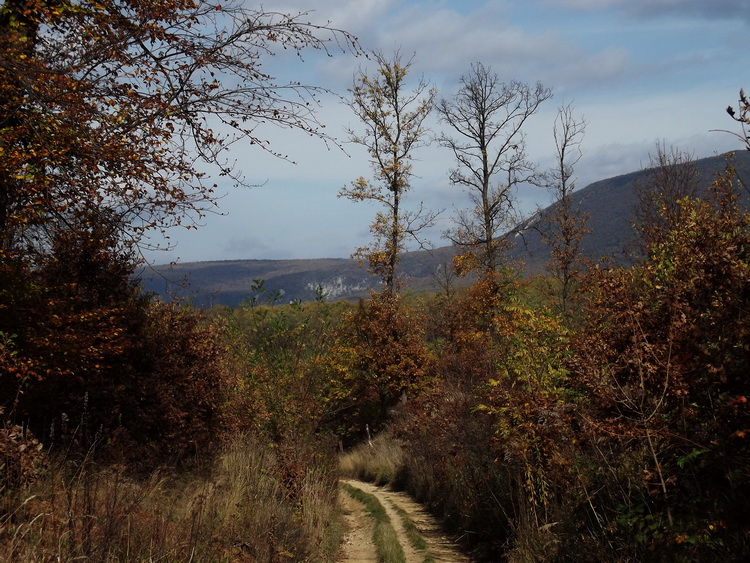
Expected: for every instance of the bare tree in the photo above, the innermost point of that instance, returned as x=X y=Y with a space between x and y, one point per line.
x=743 y=118
x=393 y=120
x=672 y=176
x=485 y=122
x=565 y=225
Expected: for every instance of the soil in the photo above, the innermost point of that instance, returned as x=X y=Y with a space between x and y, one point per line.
x=357 y=546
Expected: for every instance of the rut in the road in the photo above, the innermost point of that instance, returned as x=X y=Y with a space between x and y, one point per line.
x=358 y=545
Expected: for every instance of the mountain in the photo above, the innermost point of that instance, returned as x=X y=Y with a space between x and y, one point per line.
x=610 y=205
x=229 y=282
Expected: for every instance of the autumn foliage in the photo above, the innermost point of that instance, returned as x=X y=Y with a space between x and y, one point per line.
x=389 y=355
x=622 y=436
x=108 y=106
x=112 y=117
x=666 y=369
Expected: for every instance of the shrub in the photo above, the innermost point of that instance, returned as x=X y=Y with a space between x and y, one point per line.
x=151 y=379
x=664 y=359
x=390 y=357
x=21 y=462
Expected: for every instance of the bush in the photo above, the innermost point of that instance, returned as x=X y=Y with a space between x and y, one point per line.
x=86 y=358
x=390 y=359
x=664 y=360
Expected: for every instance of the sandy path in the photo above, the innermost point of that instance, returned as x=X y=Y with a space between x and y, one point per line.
x=357 y=546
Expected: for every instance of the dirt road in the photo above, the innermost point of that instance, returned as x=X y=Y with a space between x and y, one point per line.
x=358 y=545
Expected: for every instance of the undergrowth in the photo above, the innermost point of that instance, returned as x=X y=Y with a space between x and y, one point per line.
x=241 y=509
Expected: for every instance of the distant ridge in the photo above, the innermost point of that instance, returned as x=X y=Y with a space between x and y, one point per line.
x=610 y=204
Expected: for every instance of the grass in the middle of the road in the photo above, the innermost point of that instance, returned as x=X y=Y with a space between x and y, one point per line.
x=388 y=548
x=415 y=538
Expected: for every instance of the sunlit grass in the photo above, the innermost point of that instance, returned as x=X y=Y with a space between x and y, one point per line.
x=416 y=539
x=379 y=462
x=240 y=510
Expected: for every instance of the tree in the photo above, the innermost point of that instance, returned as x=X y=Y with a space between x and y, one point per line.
x=112 y=116
x=393 y=122
x=86 y=346
x=566 y=226
x=295 y=364
x=672 y=176
x=486 y=118
x=743 y=118
x=111 y=105
x=390 y=356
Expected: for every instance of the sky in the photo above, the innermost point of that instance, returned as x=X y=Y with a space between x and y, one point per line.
x=640 y=72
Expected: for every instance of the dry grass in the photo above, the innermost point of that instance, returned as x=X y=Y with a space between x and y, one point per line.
x=380 y=462
x=240 y=511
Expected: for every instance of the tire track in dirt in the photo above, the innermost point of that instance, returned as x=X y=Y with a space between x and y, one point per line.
x=357 y=546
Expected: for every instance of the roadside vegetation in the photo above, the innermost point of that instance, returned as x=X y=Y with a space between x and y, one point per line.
x=617 y=432
x=238 y=509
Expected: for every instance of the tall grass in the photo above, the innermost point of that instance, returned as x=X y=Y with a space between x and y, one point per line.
x=240 y=510
x=380 y=462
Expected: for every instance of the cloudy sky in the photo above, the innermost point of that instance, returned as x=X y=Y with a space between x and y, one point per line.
x=640 y=72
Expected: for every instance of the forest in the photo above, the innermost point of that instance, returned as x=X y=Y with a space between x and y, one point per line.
x=594 y=412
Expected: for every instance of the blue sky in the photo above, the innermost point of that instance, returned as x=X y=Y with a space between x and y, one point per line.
x=639 y=72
